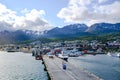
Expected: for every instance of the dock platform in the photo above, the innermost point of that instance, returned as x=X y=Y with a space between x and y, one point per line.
x=56 y=72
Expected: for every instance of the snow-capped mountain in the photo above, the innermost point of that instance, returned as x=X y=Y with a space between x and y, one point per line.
x=67 y=31
x=73 y=30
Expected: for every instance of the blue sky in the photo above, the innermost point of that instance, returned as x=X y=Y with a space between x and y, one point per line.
x=46 y=14
x=51 y=8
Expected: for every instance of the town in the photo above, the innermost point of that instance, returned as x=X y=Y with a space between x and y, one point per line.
x=74 y=48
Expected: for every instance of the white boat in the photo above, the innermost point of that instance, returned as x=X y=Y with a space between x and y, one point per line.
x=74 y=54
x=109 y=54
x=63 y=56
x=117 y=54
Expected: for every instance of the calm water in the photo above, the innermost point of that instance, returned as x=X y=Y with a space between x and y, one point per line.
x=20 y=66
x=104 y=66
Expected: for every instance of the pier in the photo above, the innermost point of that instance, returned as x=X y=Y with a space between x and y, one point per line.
x=56 y=72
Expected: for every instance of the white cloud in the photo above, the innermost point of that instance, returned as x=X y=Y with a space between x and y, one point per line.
x=91 y=11
x=34 y=14
x=31 y=20
x=6 y=15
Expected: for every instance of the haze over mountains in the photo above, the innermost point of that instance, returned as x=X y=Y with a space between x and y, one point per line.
x=68 y=31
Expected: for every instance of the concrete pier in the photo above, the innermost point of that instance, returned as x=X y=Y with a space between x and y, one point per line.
x=56 y=72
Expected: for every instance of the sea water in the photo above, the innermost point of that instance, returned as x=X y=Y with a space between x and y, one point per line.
x=104 y=66
x=21 y=66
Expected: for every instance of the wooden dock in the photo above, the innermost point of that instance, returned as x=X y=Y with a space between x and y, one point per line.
x=56 y=72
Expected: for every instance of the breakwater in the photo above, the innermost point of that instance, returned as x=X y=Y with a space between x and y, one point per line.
x=55 y=71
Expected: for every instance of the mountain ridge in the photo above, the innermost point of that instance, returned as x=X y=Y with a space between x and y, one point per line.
x=68 y=31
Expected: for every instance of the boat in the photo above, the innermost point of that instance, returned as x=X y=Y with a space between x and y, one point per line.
x=38 y=57
x=63 y=56
x=109 y=54
x=117 y=54
x=50 y=55
x=74 y=54
x=36 y=52
x=12 y=50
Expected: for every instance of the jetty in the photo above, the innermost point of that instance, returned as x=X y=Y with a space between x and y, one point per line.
x=72 y=72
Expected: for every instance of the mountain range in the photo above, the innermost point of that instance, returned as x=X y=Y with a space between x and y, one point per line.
x=68 y=31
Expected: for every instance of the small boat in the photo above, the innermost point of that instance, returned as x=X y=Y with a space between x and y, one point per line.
x=114 y=54
x=50 y=55
x=63 y=56
x=74 y=53
x=118 y=54
x=12 y=50
x=109 y=54
x=38 y=57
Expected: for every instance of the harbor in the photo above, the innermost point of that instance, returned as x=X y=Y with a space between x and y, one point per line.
x=56 y=72
x=19 y=65
x=63 y=61
x=59 y=40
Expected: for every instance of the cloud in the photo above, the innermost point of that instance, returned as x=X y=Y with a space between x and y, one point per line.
x=7 y=26
x=91 y=11
x=6 y=15
x=30 y=19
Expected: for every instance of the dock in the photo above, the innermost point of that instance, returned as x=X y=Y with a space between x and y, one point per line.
x=56 y=72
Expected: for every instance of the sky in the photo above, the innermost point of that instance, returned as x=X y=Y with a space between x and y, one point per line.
x=40 y=15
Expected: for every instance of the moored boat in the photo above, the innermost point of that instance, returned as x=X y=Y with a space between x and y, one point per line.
x=38 y=57
x=117 y=54
x=12 y=50
x=64 y=57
